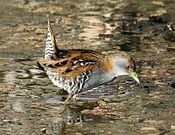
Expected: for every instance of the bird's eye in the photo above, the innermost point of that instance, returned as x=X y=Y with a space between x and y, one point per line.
x=128 y=66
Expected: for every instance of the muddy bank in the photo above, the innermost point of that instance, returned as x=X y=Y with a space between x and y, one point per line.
x=31 y=104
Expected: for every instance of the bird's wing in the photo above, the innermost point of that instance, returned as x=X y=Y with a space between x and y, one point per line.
x=70 y=63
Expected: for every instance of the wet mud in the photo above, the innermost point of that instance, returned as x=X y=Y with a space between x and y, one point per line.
x=31 y=104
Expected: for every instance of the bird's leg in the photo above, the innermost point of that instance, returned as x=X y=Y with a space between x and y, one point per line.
x=74 y=98
x=67 y=101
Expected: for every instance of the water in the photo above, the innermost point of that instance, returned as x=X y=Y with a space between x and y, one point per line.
x=31 y=104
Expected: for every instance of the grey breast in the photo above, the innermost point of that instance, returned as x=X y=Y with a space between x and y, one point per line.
x=98 y=77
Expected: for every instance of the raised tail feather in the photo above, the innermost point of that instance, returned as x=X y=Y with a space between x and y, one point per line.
x=51 y=47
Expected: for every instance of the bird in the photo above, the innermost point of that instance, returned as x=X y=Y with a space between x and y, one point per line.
x=79 y=70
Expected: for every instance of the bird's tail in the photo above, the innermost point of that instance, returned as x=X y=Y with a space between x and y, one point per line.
x=51 y=47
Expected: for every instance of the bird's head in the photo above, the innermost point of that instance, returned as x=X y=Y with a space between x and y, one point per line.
x=123 y=64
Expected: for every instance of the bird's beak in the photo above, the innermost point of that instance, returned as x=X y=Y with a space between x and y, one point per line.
x=135 y=77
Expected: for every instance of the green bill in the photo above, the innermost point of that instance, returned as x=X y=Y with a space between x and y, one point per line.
x=135 y=77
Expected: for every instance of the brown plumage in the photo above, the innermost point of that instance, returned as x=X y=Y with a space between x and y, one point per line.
x=77 y=70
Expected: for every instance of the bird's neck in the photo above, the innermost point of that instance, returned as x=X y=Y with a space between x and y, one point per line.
x=111 y=68
x=107 y=64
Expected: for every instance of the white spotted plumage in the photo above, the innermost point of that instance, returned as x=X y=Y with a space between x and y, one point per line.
x=77 y=70
x=49 y=50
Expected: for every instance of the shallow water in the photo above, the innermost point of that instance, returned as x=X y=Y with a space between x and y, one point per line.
x=31 y=104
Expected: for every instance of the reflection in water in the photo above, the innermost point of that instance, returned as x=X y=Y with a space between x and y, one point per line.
x=93 y=30
x=10 y=76
x=95 y=26
x=20 y=116
x=69 y=117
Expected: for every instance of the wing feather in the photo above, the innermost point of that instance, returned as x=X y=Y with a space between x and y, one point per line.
x=74 y=62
